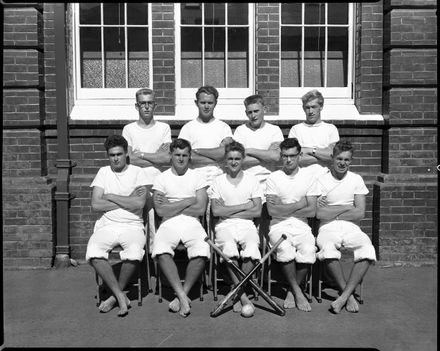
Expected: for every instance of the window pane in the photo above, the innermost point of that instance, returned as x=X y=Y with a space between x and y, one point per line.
x=214 y=13
x=238 y=13
x=191 y=39
x=215 y=57
x=314 y=57
x=238 y=58
x=89 y=13
x=291 y=13
x=315 y=13
x=113 y=13
x=138 y=72
x=191 y=13
x=290 y=57
x=337 y=13
x=90 y=57
x=337 y=65
x=114 y=57
x=137 y=13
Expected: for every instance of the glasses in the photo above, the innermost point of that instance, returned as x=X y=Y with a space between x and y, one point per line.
x=284 y=156
x=145 y=103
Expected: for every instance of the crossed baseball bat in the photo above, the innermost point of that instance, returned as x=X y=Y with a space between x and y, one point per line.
x=247 y=278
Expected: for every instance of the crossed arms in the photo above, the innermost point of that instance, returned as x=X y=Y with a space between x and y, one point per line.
x=352 y=213
x=207 y=156
x=146 y=159
x=191 y=206
x=321 y=154
x=248 y=210
x=132 y=203
x=254 y=157
x=305 y=207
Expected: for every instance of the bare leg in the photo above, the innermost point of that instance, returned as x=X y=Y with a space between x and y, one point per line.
x=346 y=297
x=295 y=296
x=105 y=271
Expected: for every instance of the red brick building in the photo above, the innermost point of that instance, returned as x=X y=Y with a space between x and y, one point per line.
x=70 y=72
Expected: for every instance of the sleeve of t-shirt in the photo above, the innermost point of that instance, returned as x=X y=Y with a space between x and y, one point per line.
x=257 y=190
x=314 y=189
x=238 y=135
x=277 y=135
x=213 y=190
x=227 y=131
x=202 y=182
x=184 y=133
x=360 y=188
x=270 y=186
x=144 y=178
x=99 y=179
x=159 y=183
x=334 y=134
x=166 y=135
x=126 y=135
x=292 y=133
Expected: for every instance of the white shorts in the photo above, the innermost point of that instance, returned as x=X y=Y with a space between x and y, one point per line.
x=339 y=233
x=185 y=229
x=108 y=234
x=232 y=232
x=299 y=245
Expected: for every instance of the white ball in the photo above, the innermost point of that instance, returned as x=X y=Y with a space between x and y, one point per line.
x=247 y=311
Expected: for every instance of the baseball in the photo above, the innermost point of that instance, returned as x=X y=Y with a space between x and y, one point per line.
x=247 y=311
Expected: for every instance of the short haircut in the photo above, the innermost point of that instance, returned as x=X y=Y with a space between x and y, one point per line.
x=115 y=140
x=312 y=95
x=144 y=91
x=235 y=146
x=207 y=89
x=253 y=99
x=290 y=143
x=341 y=146
x=181 y=144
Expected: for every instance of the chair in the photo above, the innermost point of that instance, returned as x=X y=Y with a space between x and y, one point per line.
x=179 y=252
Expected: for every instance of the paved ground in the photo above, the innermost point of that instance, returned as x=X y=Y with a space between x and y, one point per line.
x=56 y=308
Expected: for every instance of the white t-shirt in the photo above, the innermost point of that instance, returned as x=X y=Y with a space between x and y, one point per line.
x=147 y=139
x=290 y=188
x=235 y=194
x=320 y=134
x=341 y=192
x=176 y=188
x=205 y=135
x=121 y=183
x=262 y=139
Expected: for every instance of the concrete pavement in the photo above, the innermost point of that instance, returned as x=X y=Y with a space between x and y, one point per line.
x=56 y=308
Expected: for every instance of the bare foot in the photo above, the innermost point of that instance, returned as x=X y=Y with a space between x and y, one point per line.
x=185 y=308
x=301 y=302
x=107 y=305
x=337 y=305
x=124 y=305
x=174 y=305
x=289 y=302
x=237 y=305
x=352 y=305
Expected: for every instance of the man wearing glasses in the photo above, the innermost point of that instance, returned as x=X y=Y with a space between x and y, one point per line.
x=291 y=197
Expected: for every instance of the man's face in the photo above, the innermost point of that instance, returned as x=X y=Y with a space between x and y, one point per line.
x=313 y=111
x=180 y=160
x=341 y=163
x=255 y=114
x=146 y=105
x=118 y=158
x=234 y=162
x=290 y=158
x=206 y=104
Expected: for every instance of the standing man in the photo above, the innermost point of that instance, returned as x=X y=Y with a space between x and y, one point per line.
x=207 y=135
x=291 y=198
x=317 y=138
x=120 y=191
x=340 y=208
x=260 y=139
x=148 y=144
x=180 y=198
x=236 y=198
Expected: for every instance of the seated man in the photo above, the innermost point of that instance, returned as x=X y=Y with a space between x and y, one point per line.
x=120 y=191
x=180 y=198
x=340 y=208
x=291 y=197
x=236 y=198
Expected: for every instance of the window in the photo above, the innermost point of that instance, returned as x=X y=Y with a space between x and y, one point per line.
x=214 y=46
x=316 y=41
x=112 y=54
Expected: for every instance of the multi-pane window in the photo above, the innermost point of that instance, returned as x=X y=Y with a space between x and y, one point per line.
x=214 y=44
x=113 y=45
x=316 y=45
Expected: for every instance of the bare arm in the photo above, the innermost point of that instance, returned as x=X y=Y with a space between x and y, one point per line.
x=198 y=208
x=270 y=155
x=358 y=212
x=219 y=209
x=215 y=154
x=167 y=209
x=276 y=208
x=250 y=213
x=326 y=212
x=321 y=154
x=160 y=157
x=107 y=202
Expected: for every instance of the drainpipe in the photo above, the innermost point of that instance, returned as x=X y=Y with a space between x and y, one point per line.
x=63 y=163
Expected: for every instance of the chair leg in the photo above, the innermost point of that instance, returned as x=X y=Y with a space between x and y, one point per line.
x=139 y=284
x=309 y=278
x=319 y=298
x=159 y=282
x=215 y=268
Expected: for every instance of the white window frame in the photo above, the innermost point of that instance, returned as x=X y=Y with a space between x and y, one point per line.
x=338 y=101
x=105 y=103
x=230 y=103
